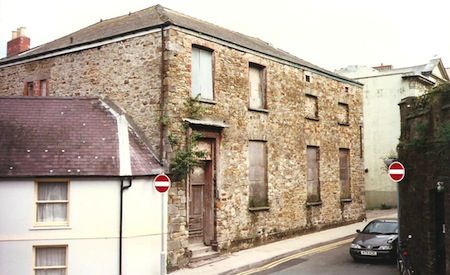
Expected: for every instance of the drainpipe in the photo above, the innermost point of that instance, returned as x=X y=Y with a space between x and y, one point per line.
x=122 y=188
x=162 y=102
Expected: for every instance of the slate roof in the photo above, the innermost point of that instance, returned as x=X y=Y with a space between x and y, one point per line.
x=155 y=17
x=50 y=136
x=421 y=71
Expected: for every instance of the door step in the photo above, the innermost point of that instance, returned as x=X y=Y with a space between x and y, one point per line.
x=202 y=254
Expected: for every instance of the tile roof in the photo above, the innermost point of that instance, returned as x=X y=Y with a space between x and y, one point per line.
x=49 y=136
x=155 y=17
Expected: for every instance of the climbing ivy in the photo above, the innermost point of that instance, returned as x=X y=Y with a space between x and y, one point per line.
x=186 y=156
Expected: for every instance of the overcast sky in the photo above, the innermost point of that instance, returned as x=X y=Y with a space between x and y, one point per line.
x=329 y=33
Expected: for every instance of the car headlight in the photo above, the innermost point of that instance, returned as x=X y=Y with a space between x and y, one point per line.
x=385 y=247
x=355 y=245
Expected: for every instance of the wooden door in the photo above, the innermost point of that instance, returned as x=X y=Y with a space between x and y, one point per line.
x=201 y=212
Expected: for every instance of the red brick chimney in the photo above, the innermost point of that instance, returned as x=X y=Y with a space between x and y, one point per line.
x=19 y=42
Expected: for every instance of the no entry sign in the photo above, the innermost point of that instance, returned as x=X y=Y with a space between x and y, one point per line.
x=396 y=171
x=161 y=183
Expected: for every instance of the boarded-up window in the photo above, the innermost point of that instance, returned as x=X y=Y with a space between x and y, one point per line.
x=344 y=173
x=257 y=87
x=202 y=73
x=313 y=183
x=311 y=107
x=343 y=114
x=257 y=158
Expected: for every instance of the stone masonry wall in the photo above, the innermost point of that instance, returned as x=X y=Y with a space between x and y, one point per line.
x=287 y=133
x=126 y=72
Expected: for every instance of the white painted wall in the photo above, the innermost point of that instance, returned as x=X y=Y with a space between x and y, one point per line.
x=381 y=130
x=93 y=232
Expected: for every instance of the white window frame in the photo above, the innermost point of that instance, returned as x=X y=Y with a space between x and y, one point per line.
x=38 y=268
x=37 y=202
x=202 y=88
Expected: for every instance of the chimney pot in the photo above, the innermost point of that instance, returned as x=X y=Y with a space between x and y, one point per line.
x=14 y=35
x=22 y=31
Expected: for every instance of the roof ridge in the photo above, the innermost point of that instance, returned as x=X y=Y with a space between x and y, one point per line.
x=160 y=10
x=210 y=23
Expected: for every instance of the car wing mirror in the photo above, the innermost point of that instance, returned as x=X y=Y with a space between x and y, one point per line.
x=358 y=231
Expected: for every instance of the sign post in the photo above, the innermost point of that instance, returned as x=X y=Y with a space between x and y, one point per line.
x=162 y=185
x=396 y=173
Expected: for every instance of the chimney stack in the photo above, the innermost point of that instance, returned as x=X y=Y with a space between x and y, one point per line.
x=18 y=43
x=383 y=67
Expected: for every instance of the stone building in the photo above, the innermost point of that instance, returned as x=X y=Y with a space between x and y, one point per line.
x=281 y=137
x=386 y=86
x=424 y=149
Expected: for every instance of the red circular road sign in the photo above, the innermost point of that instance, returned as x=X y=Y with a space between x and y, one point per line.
x=396 y=171
x=161 y=183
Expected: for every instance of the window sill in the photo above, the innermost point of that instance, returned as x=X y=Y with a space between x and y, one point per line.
x=346 y=200
x=50 y=227
x=261 y=208
x=207 y=101
x=314 y=203
x=258 y=110
x=312 y=118
x=343 y=124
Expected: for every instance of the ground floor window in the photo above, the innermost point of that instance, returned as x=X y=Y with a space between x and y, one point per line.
x=50 y=260
x=312 y=174
x=257 y=170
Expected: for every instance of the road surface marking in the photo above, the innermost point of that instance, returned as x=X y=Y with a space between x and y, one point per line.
x=312 y=251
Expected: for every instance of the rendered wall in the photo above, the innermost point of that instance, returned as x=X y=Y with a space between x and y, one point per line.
x=92 y=237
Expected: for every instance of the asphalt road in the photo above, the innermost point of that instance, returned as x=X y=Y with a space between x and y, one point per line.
x=335 y=261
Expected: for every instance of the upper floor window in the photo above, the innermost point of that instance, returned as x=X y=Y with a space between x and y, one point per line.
x=343 y=114
x=36 y=88
x=29 y=88
x=311 y=107
x=257 y=86
x=52 y=203
x=202 y=73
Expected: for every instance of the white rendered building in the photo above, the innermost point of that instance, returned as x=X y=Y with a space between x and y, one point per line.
x=384 y=88
x=76 y=190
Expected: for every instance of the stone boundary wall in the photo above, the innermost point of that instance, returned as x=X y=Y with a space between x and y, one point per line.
x=424 y=150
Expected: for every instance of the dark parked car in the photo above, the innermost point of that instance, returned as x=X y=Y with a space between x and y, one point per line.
x=378 y=240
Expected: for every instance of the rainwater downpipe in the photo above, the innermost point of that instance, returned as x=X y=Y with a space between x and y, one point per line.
x=122 y=188
x=162 y=102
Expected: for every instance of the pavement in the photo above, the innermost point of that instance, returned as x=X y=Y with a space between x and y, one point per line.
x=257 y=256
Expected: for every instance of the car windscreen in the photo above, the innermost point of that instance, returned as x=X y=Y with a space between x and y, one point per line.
x=381 y=227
